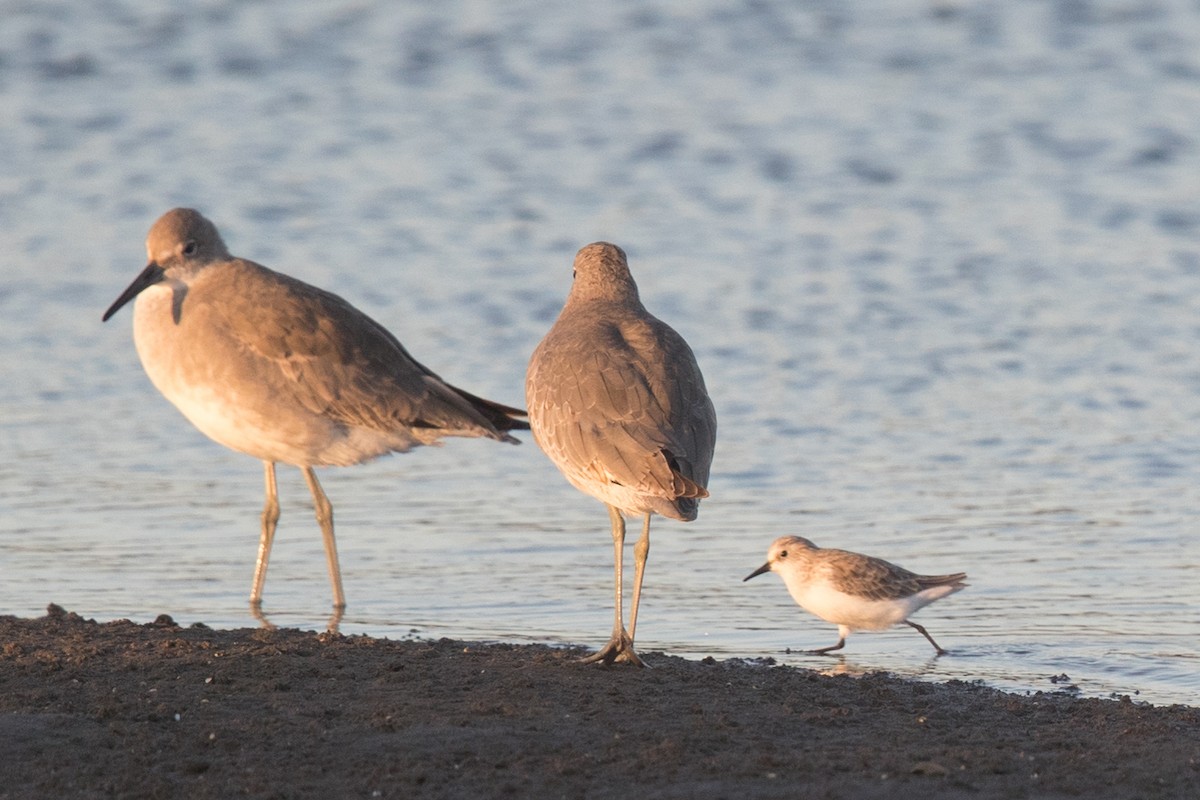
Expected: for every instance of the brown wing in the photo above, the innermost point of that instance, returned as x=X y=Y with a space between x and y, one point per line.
x=623 y=401
x=869 y=577
x=877 y=579
x=338 y=362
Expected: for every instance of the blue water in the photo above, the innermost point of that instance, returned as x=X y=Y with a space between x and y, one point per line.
x=940 y=264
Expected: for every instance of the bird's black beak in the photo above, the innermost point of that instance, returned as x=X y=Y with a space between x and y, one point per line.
x=764 y=568
x=151 y=275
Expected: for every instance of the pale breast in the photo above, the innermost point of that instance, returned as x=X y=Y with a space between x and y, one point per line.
x=856 y=613
x=231 y=397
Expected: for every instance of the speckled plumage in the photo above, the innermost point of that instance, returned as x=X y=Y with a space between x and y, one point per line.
x=852 y=590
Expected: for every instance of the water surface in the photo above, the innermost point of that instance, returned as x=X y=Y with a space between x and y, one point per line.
x=940 y=264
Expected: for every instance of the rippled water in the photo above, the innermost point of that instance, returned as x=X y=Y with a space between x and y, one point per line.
x=940 y=263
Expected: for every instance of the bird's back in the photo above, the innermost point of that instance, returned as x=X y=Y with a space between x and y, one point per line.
x=876 y=579
x=618 y=403
x=269 y=365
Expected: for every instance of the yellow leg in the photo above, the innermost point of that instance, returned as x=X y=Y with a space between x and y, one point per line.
x=620 y=644
x=324 y=510
x=270 y=518
x=640 y=552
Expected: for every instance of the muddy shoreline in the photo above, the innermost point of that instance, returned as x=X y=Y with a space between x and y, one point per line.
x=117 y=709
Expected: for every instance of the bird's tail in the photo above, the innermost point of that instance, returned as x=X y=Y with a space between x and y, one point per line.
x=955 y=580
x=503 y=418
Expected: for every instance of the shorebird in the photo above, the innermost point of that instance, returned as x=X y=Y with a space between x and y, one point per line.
x=617 y=402
x=853 y=591
x=272 y=367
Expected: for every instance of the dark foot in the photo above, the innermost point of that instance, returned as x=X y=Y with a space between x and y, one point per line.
x=619 y=650
x=925 y=633
x=824 y=650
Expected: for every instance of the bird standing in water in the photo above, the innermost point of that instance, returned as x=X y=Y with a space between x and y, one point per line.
x=617 y=401
x=853 y=591
x=272 y=367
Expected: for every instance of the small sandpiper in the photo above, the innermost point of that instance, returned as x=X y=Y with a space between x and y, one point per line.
x=854 y=591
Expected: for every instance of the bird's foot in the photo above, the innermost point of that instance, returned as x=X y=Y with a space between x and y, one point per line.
x=619 y=650
x=257 y=612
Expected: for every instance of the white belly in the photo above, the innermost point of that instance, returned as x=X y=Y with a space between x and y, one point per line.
x=856 y=613
x=214 y=384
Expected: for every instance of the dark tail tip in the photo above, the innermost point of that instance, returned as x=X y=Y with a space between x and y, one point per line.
x=503 y=418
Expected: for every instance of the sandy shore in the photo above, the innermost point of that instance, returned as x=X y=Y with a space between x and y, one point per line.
x=118 y=709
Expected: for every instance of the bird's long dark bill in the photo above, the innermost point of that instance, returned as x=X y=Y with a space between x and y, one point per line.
x=764 y=568
x=151 y=275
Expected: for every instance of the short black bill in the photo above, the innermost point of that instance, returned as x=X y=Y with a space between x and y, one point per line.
x=764 y=568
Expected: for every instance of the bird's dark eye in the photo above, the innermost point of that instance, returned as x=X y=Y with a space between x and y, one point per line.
x=189 y=249
x=783 y=553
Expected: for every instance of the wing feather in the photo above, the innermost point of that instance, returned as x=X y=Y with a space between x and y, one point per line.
x=877 y=579
x=333 y=360
x=623 y=401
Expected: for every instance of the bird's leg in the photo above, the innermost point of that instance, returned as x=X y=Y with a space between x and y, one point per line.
x=324 y=510
x=841 y=643
x=843 y=632
x=640 y=551
x=925 y=633
x=270 y=517
x=619 y=646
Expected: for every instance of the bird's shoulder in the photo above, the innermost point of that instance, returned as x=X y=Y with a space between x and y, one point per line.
x=279 y=317
x=867 y=576
x=332 y=357
x=619 y=395
x=636 y=349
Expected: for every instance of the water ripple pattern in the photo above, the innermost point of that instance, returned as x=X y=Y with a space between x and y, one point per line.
x=939 y=262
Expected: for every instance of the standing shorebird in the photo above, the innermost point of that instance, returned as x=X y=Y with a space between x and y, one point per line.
x=272 y=367
x=853 y=591
x=617 y=402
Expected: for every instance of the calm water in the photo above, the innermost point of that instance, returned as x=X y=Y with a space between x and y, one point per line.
x=940 y=263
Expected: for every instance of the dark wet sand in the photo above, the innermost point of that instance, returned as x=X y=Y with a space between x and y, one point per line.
x=123 y=710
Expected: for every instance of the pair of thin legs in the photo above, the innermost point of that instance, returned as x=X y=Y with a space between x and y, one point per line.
x=842 y=641
x=620 y=644
x=270 y=518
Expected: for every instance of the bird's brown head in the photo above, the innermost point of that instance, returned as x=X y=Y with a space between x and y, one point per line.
x=181 y=241
x=184 y=236
x=783 y=549
x=602 y=272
